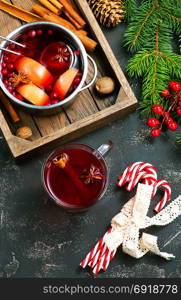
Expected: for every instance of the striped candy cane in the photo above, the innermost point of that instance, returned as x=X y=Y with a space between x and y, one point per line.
x=131 y=173
x=100 y=256
x=167 y=193
x=94 y=255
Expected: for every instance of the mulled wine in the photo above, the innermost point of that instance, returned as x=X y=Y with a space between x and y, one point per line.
x=75 y=176
x=47 y=71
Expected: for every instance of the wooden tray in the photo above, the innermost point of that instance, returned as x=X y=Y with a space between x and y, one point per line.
x=88 y=112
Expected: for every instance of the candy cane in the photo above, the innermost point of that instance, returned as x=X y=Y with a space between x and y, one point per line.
x=123 y=178
x=104 y=261
x=167 y=193
x=131 y=173
x=145 y=172
x=100 y=256
x=93 y=256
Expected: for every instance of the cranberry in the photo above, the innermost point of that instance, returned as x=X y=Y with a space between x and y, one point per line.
x=11 y=74
x=6 y=82
x=49 y=32
x=10 y=88
x=39 y=32
x=24 y=37
x=19 y=97
x=32 y=33
x=6 y=58
x=54 y=95
x=14 y=93
x=77 y=52
x=165 y=93
x=74 y=86
x=3 y=65
x=179 y=111
x=11 y=46
x=10 y=66
x=173 y=126
x=157 y=109
x=55 y=101
x=4 y=72
x=155 y=132
x=153 y=122
x=77 y=80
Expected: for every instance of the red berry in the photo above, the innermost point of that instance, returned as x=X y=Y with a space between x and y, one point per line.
x=175 y=86
x=77 y=52
x=165 y=93
x=10 y=88
x=155 y=132
x=55 y=101
x=179 y=111
x=49 y=32
x=6 y=82
x=168 y=120
x=153 y=122
x=157 y=109
x=54 y=95
x=173 y=125
x=6 y=58
x=32 y=33
x=3 y=65
x=14 y=94
x=19 y=97
x=77 y=80
x=10 y=66
x=24 y=37
x=39 y=32
x=11 y=46
x=4 y=72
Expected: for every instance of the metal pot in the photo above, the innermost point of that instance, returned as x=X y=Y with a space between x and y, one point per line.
x=74 y=40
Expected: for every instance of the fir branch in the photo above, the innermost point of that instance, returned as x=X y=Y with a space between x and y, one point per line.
x=130 y=6
x=155 y=60
x=137 y=32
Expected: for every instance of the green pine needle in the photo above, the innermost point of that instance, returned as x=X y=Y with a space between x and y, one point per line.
x=152 y=26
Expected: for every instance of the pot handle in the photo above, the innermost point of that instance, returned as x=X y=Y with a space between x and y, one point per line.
x=95 y=73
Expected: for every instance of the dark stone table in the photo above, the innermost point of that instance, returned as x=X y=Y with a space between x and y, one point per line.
x=37 y=239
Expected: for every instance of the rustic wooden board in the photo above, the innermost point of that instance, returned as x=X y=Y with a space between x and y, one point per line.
x=88 y=112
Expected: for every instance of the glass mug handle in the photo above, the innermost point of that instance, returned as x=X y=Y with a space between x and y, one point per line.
x=104 y=148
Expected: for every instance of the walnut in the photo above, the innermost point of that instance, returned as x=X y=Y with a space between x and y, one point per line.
x=105 y=85
x=24 y=132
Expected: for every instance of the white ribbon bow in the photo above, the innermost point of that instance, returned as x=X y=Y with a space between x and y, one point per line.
x=133 y=217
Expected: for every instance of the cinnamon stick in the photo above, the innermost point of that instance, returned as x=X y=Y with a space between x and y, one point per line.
x=50 y=6
x=72 y=12
x=76 y=24
x=20 y=13
x=71 y=2
x=57 y=4
x=51 y=17
x=10 y=109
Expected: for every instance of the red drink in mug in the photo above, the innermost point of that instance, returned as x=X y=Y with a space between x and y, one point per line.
x=76 y=175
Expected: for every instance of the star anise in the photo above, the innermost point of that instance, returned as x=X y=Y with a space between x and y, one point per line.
x=16 y=79
x=92 y=174
x=63 y=54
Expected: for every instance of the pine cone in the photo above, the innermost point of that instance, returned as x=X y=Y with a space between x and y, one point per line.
x=109 y=13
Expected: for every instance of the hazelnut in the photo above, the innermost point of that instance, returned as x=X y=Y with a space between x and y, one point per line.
x=24 y=132
x=105 y=85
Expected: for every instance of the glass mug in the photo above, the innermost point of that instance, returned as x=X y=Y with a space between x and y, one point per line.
x=75 y=176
